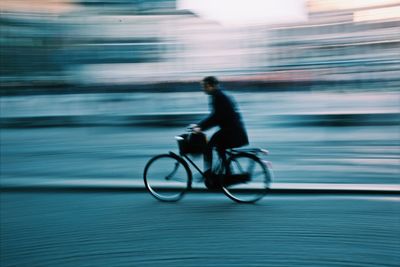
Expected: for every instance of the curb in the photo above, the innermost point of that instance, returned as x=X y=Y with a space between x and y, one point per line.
x=138 y=186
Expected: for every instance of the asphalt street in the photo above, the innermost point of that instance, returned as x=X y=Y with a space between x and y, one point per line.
x=203 y=229
x=349 y=137
x=351 y=155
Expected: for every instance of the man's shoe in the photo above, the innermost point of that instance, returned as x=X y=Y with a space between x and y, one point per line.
x=233 y=179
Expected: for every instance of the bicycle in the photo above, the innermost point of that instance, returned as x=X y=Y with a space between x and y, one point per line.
x=243 y=175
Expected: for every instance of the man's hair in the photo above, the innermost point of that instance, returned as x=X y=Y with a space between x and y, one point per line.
x=211 y=80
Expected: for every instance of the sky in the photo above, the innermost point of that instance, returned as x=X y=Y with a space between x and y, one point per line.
x=245 y=12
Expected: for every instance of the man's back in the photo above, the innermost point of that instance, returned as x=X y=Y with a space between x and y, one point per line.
x=226 y=111
x=226 y=116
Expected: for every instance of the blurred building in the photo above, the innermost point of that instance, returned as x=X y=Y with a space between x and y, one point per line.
x=155 y=43
x=29 y=47
x=124 y=41
x=341 y=42
x=138 y=41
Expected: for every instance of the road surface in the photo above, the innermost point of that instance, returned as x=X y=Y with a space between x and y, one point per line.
x=313 y=136
x=204 y=229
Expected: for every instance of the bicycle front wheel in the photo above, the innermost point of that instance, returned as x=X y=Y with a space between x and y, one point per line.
x=247 y=179
x=167 y=177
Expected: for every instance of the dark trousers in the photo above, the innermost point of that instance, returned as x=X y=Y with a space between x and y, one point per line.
x=217 y=142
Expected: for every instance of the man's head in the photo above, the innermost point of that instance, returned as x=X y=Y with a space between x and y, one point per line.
x=210 y=84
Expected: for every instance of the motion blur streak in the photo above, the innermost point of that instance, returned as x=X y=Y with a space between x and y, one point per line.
x=91 y=89
x=130 y=42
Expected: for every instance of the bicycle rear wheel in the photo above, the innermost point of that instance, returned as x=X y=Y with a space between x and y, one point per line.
x=167 y=177
x=247 y=179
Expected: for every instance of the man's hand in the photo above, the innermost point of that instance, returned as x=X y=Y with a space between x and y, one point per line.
x=195 y=128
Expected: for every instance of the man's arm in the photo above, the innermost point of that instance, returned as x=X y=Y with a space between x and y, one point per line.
x=208 y=122
x=222 y=111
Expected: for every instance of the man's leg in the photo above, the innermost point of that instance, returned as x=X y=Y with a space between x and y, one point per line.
x=208 y=155
x=222 y=155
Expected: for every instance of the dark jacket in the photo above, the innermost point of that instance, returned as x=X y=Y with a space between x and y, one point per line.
x=226 y=116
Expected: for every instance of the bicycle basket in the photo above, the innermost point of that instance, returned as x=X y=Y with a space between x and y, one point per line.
x=193 y=143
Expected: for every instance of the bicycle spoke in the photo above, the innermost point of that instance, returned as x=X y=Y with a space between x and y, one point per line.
x=178 y=179
x=173 y=172
x=251 y=167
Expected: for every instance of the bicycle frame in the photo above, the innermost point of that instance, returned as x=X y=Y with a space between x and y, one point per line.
x=189 y=160
x=229 y=153
x=222 y=160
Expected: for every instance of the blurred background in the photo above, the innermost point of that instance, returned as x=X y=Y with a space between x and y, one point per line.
x=90 y=90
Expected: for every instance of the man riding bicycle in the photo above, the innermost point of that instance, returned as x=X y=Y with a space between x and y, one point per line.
x=241 y=174
x=232 y=132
